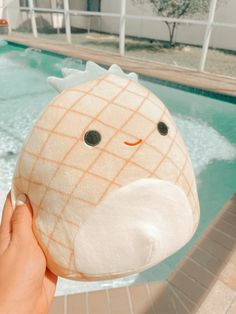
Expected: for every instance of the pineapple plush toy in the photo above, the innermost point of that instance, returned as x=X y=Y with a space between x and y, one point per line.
x=108 y=176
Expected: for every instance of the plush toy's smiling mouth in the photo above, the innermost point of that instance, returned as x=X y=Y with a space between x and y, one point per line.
x=139 y=141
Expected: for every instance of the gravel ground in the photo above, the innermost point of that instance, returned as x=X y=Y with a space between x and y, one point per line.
x=220 y=62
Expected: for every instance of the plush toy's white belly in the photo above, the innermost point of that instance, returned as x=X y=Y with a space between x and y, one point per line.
x=133 y=228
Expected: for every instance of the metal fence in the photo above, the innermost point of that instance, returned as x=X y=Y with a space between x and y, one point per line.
x=123 y=17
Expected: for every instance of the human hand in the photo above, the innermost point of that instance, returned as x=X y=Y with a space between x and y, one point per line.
x=26 y=285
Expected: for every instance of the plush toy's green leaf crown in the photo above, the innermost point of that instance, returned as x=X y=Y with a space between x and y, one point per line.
x=73 y=77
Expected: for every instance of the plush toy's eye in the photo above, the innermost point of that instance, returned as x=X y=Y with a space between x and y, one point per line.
x=162 y=128
x=92 y=138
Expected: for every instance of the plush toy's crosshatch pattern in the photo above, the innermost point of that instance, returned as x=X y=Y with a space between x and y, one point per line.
x=66 y=179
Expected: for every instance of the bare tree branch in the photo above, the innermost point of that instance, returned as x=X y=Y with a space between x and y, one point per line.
x=176 y=9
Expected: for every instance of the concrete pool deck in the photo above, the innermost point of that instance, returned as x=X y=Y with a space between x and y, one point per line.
x=204 y=282
x=203 y=80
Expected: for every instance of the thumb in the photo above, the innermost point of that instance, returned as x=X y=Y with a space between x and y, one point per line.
x=22 y=217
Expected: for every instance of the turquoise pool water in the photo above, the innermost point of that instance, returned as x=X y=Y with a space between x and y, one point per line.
x=208 y=127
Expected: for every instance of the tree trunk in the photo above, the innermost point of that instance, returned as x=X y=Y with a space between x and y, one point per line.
x=173 y=33
x=171 y=30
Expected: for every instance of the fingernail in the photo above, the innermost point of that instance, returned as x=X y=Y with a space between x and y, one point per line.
x=20 y=200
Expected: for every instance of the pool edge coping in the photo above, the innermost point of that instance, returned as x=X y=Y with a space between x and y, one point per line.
x=167 y=75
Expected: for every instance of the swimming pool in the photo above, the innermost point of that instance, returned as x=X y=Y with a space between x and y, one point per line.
x=207 y=125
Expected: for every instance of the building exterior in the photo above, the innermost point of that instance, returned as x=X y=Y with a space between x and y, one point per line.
x=222 y=37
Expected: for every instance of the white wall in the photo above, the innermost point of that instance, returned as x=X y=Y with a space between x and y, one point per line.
x=13 y=13
x=1 y=9
x=191 y=34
